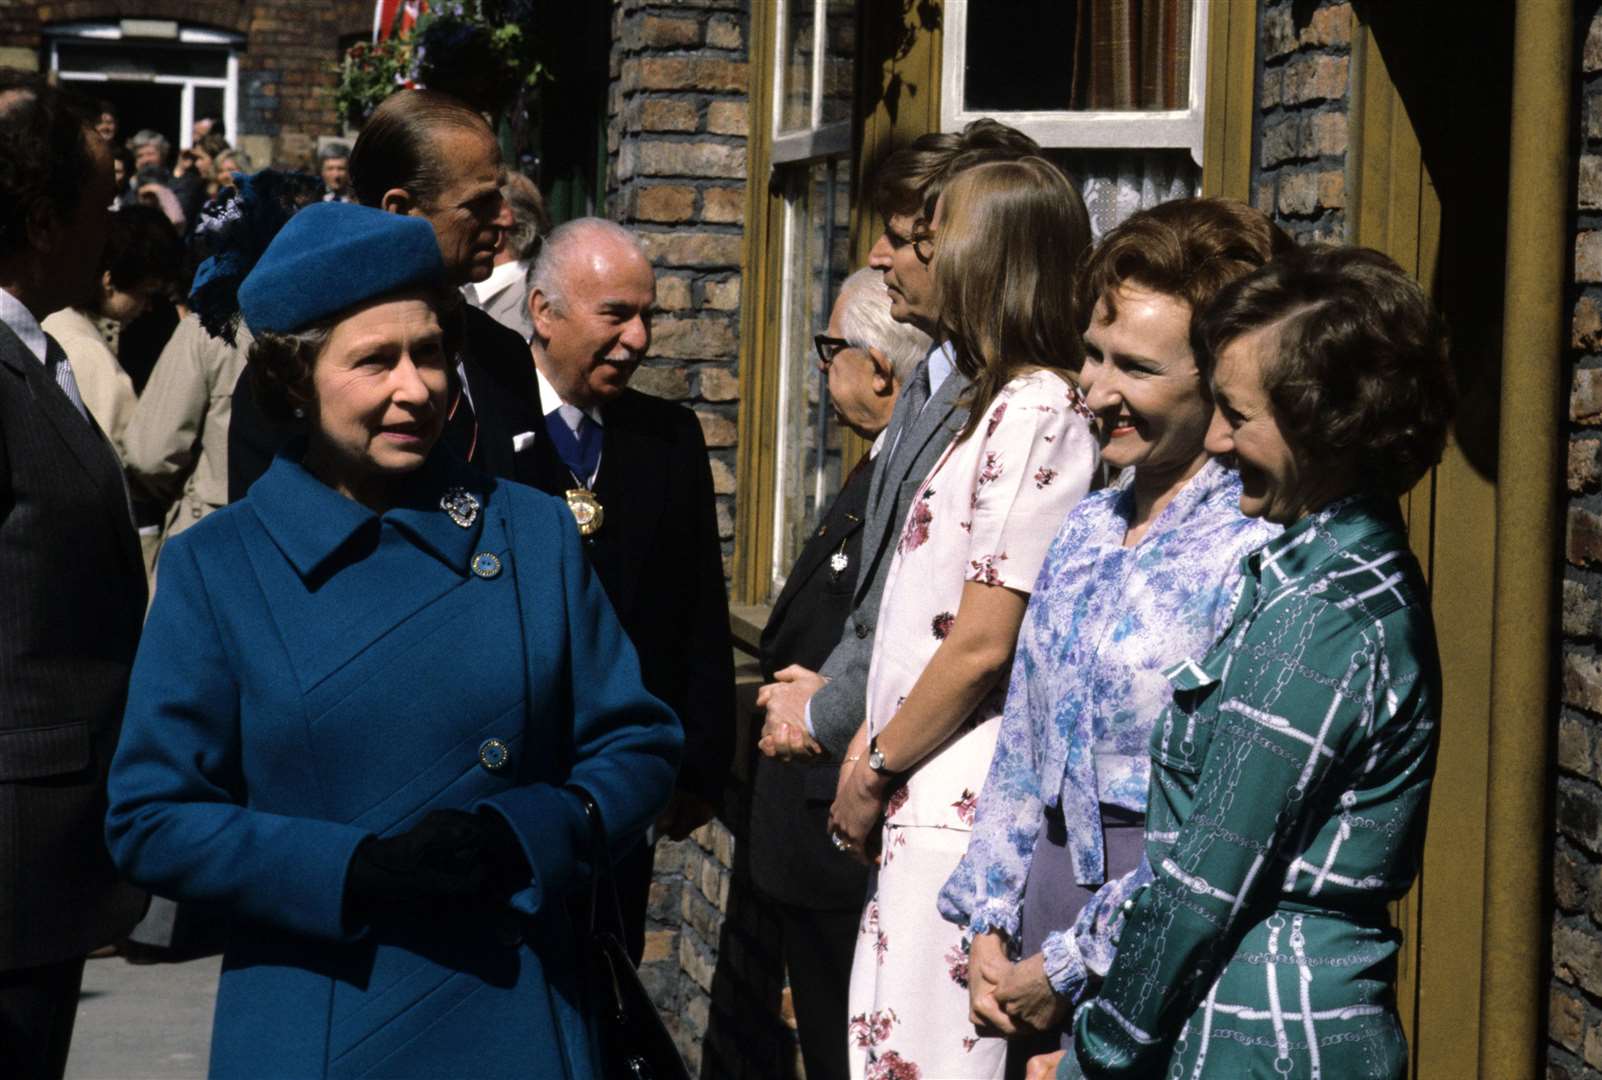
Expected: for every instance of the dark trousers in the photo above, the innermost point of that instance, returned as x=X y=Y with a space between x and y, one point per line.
x=818 y=946
x=1053 y=899
x=37 y=1008
x=633 y=873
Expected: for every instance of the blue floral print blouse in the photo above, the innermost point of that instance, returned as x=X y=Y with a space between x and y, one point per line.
x=1103 y=623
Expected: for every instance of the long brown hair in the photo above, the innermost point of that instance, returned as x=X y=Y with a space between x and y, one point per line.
x=1011 y=234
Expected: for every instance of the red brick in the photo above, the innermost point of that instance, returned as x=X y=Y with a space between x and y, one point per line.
x=728 y=118
x=687 y=249
x=1329 y=26
x=672 y=293
x=668 y=114
x=1315 y=78
x=659 y=33
x=1586 y=329
x=1583 y=537
x=718 y=384
x=672 y=73
x=693 y=339
x=725 y=205
x=665 y=203
x=1585 y=399
x=1588 y=257
x=692 y=159
x=723 y=295
x=719 y=431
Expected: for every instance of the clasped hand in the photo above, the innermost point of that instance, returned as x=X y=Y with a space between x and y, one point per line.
x=452 y=862
x=1006 y=998
x=860 y=797
x=784 y=730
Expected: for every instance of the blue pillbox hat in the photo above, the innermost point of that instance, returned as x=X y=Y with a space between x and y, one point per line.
x=333 y=256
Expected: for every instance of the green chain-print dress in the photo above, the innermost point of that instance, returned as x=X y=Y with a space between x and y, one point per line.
x=1290 y=781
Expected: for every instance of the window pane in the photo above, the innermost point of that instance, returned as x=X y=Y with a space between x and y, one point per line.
x=208 y=102
x=144 y=60
x=1054 y=55
x=1116 y=183
x=840 y=64
x=816 y=240
x=795 y=91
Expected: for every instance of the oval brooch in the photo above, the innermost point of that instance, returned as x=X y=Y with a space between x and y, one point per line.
x=460 y=504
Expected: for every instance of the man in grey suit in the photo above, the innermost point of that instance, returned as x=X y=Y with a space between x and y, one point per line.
x=72 y=585
x=810 y=713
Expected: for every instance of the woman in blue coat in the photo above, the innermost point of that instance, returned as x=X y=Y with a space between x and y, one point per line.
x=367 y=699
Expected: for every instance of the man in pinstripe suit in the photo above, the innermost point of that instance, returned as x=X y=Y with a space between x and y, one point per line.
x=72 y=588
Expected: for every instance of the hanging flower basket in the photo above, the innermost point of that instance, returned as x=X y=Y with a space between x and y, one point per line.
x=475 y=50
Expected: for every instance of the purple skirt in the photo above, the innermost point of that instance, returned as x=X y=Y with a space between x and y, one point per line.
x=1052 y=900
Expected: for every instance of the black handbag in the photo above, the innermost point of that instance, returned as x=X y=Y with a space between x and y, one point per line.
x=634 y=1043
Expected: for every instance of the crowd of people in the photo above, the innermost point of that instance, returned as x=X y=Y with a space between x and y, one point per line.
x=1100 y=709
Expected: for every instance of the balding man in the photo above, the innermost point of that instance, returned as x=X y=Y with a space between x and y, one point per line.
x=634 y=471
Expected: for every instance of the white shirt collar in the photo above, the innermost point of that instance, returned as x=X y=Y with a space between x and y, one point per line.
x=942 y=362
x=22 y=323
x=550 y=400
x=878 y=443
x=501 y=278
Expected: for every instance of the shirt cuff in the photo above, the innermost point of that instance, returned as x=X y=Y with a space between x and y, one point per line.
x=995 y=916
x=806 y=718
x=1065 y=970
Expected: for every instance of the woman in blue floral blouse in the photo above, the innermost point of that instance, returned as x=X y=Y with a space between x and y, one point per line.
x=1291 y=773
x=1140 y=575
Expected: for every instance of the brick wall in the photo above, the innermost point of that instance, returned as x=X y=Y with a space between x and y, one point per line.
x=1575 y=1018
x=678 y=117
x=1303 y=97
x=286 y=77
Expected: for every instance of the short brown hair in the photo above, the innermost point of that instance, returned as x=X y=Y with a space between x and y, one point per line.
x=1361 y=376
x=1011 y=234
x=280 y=365
x=396 y=147
x=1187 y=249
x=910 y=180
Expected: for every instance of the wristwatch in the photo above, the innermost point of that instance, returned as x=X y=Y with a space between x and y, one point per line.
x=876 y=758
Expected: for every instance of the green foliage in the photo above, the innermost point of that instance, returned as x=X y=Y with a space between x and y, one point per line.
x=476 y=50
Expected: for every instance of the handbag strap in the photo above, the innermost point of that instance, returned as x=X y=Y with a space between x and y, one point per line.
x=601 y=873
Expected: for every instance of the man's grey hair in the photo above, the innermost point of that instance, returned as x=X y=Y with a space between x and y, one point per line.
x=147 y=137
x=332 y=152
x=865 y=321
x=530 y=222
x=551 y=265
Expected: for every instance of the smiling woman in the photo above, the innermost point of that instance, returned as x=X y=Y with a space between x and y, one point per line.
x=410 y=844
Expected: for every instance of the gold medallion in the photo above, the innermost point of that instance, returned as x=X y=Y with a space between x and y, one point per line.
x=586 y=510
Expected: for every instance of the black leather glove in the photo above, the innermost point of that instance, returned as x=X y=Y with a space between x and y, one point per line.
x=441 y=864
x=509 y=865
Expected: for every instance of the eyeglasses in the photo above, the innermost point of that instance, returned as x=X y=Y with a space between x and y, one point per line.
x=922 y=244
x=828 y=348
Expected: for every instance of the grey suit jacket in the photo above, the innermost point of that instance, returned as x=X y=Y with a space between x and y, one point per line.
x=838 y=708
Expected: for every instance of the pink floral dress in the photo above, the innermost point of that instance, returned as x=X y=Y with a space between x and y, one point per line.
x=987 y=512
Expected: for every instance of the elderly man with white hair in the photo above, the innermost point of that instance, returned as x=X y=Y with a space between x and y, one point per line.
x=867 y=357
x=634 y=471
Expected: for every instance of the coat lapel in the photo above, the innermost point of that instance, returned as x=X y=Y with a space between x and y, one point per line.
x=632 y=485
x=86 y=442
x=910 y=452
x=846 y=517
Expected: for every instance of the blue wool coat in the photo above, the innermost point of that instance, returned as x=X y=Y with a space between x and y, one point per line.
x=313 y=674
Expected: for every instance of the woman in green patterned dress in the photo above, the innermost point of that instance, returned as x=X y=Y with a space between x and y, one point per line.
x=1291 y=774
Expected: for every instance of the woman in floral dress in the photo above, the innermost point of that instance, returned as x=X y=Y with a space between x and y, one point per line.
x=1290 y=775
x=1141 y=576
x=1007 y=238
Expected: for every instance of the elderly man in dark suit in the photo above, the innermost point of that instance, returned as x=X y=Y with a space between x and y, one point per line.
x=810 y=712
x=866 y=357
x=72 y=585
x=634 y=471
